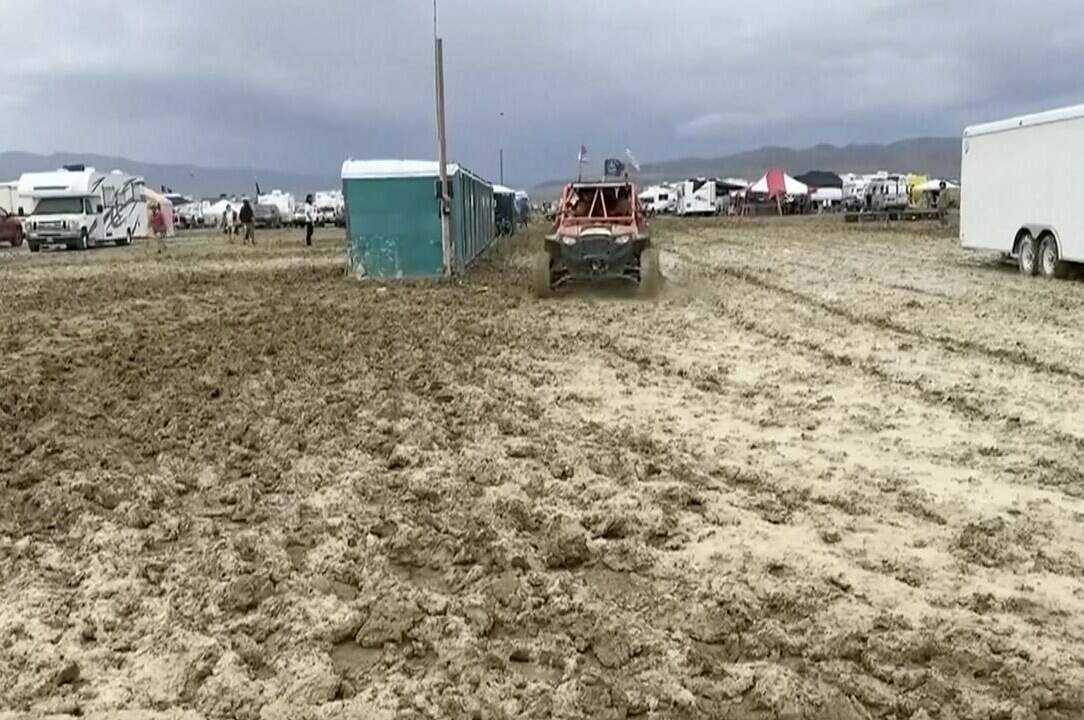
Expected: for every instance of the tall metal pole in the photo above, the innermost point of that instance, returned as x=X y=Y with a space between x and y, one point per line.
x=442 y=150
x=502 y=139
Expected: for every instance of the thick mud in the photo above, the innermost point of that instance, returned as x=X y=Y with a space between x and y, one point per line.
x=832 y=473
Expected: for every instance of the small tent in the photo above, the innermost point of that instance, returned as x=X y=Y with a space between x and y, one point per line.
x=158 y=200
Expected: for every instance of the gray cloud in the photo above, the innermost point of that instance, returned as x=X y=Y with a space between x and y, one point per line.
x=301 y=86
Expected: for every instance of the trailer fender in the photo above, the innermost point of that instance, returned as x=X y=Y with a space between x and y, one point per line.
x=1037 y=231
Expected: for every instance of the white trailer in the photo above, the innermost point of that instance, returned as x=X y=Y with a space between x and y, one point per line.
x=697 y=197
x=285 y=202
x=12 y=202
x=658 y=199
x=1020 y=186
x=79 y=207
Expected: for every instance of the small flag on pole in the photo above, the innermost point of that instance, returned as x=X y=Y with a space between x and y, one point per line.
x=583 y=154
x=258 y=193
x=632 y=160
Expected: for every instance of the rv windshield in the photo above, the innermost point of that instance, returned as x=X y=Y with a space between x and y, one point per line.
x=59 y=206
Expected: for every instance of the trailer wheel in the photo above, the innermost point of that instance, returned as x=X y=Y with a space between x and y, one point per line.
x=542 y=277
x=1049 y=261
x=650 y=273
x=1026 y=254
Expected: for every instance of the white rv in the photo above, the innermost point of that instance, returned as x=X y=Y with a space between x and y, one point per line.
x=1020 y=186
x=285 y=202
x=697 y=197
x=330 y=207
x=888 y=193
x=658 y=199
x=79 y=207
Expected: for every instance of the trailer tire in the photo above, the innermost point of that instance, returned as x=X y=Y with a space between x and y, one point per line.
x=1049 y=261
x=542 y=275
x=1027 y=254
x=650 y=273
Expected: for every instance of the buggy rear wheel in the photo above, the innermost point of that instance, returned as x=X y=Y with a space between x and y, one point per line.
x=650 y=273
x=542 y=275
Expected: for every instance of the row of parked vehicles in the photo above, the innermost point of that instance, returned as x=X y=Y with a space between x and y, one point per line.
x=78 y=207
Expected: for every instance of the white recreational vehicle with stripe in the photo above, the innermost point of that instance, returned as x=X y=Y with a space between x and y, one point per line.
x=79 y=207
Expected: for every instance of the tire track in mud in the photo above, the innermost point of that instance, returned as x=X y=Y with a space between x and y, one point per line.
x=957 y=345
x=926 y=392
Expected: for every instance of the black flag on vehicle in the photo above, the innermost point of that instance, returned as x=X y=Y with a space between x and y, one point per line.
x=613 y=167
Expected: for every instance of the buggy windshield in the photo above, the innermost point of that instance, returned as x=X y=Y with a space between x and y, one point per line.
x=605 y=202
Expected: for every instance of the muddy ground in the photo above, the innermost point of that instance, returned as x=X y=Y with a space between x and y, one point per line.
x=832 y=473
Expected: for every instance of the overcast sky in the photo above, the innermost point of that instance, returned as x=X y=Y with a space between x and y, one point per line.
x=303 y=85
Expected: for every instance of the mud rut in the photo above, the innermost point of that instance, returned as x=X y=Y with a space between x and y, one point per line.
x=831 y=473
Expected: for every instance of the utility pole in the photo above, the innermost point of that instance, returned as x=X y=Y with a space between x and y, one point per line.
x=442 y=151
x=502 y=147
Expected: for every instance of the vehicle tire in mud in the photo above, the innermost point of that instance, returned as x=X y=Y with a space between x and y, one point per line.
x=542 y=276
x=1027 y=253
x=34 y=247
x=650 y=273
x=1049 y=261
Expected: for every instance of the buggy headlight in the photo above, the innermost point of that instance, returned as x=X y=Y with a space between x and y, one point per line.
x=568 y=239
x=622 y=239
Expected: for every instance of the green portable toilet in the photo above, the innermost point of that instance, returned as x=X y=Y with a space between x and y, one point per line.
x=393 y=218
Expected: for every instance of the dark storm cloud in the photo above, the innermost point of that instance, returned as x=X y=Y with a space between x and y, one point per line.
x=302 y=86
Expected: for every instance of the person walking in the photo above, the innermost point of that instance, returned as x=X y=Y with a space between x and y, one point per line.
x=247 y=217
x=310 y=219
x=158 y=228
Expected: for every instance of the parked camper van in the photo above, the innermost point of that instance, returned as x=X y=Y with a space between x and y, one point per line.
x=79 y=207
x=885 y=194
x=1040 y=221
x=697 y=197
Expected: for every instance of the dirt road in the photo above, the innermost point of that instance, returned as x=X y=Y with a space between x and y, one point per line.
x=832 y=473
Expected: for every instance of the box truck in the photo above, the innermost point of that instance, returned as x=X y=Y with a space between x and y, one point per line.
x=1020 y=185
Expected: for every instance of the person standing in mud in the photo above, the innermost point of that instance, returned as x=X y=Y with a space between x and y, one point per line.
x=310 y=219
x=248 y=219
x=228 y=221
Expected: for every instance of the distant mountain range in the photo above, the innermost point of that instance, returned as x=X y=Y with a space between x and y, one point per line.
x=937 y=157
x=186 y=179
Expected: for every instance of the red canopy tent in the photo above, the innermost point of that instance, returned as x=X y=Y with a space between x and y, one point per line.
x=778 y=186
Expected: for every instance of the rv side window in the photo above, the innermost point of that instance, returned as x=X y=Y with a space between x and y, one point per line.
x=88 y=206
